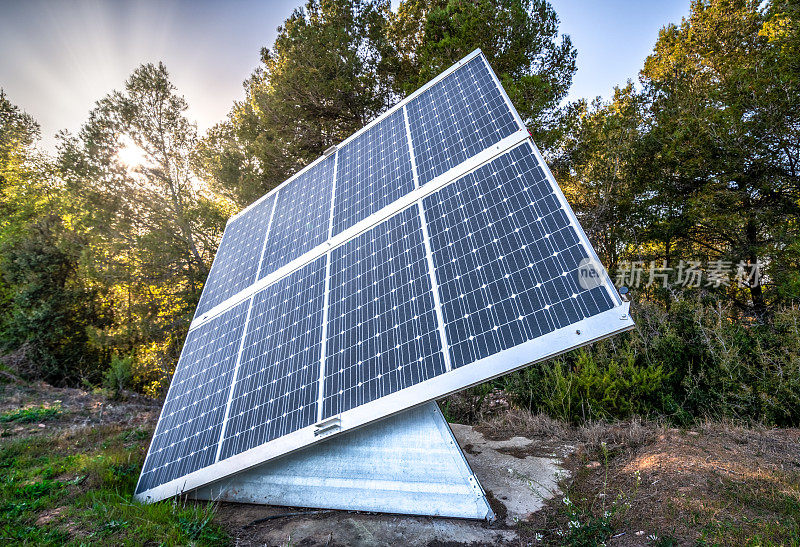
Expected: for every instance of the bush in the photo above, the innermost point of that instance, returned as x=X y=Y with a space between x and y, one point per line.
x=590 y=388
x=686 y=362
x=119 y=375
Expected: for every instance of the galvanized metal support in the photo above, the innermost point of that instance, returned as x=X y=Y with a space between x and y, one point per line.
x=409 y=463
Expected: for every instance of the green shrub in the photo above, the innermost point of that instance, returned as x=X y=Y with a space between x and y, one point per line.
x=590 y=388
x=119 y=375
x=32 y=414
x=691 y=360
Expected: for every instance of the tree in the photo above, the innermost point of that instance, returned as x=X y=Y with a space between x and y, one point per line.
x=151 y=225
x=46 y=312
x=725 y=99
x=519 y=37
x=21 y=187
x=597 y=169
x=318 y=84
x=50 y=313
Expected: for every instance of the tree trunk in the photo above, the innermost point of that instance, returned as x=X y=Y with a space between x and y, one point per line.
x=756 y=291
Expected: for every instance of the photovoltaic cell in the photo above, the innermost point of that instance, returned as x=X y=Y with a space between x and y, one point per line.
x=382 y=325
x=277 y=385
x=506 y=258
x=374 y=170
x=464 y=114
x=302 y=217
x=188 y=430
x=236 y=261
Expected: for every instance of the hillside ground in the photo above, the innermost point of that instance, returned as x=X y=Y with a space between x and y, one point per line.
x=69 y=461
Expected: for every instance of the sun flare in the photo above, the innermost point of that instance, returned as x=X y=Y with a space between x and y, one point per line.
x=131 y=155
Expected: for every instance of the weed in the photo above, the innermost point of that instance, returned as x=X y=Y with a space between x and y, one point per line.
x=588 y=525
x=31 y=414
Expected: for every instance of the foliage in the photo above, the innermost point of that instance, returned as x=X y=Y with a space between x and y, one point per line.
x=119 y=375
x=590 y=388
x=50 y=309
x=688 y=363
x=724 y=113
x=151 y=227
x=31 y=414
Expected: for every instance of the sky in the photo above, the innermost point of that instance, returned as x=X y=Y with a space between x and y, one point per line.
x=60 y=56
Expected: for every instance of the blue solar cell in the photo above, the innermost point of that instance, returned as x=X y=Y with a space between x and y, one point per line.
x=238 y=255
x=302 y=217
x=277 y=383
x=382 y=330
x=455 y=119
x=188 y=430
x=506 y=258
x=374 y=170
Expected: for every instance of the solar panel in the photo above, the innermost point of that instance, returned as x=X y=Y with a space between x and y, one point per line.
x=238 y=256
x=302 y=216
x=188 y=430
x=374 y=170
x=382 y=332
x=506 y=258
x=276 y=386
x=454 y=121
x=431 y=251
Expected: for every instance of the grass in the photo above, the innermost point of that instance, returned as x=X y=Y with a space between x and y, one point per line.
x=31 y=414
x=77 y=489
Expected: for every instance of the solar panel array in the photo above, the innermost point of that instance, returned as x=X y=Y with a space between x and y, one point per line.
x=481 y=263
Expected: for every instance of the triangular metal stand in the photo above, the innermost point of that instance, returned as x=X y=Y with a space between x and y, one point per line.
x=409 y=463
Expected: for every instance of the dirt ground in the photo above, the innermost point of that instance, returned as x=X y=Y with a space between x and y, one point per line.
x=633 y=483
x=77 y=408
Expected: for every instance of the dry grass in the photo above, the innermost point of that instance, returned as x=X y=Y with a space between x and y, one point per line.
x=719 y=484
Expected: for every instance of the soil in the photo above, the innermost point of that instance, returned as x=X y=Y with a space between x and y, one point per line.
x=78 y=409
x=717 y=483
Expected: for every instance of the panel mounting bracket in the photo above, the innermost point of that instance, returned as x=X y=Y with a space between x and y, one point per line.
x=327 y=426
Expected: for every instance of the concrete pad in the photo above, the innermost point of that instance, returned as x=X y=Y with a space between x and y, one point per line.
x=506 y=469
x=356 y=529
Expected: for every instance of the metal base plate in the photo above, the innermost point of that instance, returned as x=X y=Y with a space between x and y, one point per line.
x=409 y=463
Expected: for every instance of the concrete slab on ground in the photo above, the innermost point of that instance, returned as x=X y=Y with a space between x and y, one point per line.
x=518 y=481
x=508 y=471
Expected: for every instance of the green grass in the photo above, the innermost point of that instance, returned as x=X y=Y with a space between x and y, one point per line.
x=79 y=487
x=32 y=414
